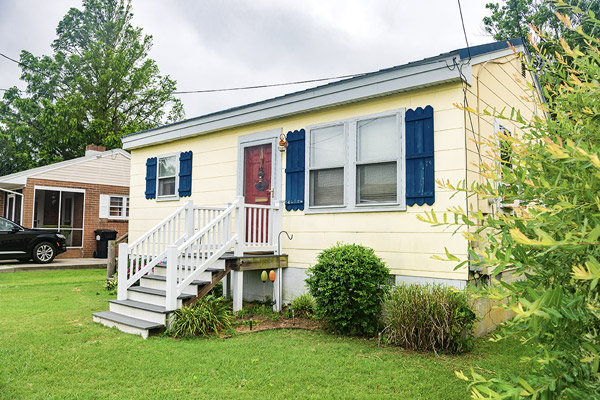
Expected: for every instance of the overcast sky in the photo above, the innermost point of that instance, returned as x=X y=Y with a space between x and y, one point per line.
x=210 y=44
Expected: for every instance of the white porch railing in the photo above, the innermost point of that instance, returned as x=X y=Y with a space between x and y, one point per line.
x=138 y=258
x=263 y=224
x=192 y=238
x=203 y=215
x=201 y=250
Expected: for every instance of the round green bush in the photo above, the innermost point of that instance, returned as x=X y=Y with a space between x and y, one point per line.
x=348 y=284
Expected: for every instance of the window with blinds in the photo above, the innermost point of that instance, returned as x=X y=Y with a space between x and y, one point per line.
x=377 y=161
x=356 y=164
x=327 y=158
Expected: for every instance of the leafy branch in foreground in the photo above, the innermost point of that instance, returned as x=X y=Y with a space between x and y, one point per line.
x=551 y=237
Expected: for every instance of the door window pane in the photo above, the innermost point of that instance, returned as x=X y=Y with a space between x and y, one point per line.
x=376 y=183
x=327 y=148
x=327 y=187
x=377 y=139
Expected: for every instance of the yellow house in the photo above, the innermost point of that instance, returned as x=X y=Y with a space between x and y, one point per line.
x=352 y=161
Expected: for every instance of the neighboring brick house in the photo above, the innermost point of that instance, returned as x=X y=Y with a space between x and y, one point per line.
x=75 y=197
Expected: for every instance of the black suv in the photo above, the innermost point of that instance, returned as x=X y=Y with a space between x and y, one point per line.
x=23 y=244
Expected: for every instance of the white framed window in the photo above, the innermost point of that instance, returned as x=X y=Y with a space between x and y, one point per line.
x=356 y=164
x=327 y=162
x=114 y=206
x=503 y=145
x=167 y=177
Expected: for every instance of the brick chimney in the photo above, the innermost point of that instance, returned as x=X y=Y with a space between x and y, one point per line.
x=92 y=149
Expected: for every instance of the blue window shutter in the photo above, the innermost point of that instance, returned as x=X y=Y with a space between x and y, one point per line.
x=185 y=174
x=294 y=171
x=420 y=177
x=151 y=178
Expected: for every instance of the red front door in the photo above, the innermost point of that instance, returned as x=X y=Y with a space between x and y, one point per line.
x=258 y=187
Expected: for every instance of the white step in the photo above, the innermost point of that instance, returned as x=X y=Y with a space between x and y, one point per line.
x=153 y=296
x=161 y=270
x=161 y=284
x=139 y=310
x=126 y=324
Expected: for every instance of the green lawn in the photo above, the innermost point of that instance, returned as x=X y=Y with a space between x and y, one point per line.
x=51 y=349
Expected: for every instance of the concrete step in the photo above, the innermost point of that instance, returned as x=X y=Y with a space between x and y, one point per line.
x=127 y=324
x=140 y=310
x=153 y=296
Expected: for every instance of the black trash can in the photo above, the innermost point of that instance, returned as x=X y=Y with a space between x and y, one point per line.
x=102 y=238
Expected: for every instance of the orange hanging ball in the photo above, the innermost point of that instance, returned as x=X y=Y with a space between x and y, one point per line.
x=272 y=275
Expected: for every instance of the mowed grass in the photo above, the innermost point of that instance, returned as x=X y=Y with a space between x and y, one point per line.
x=51 y=349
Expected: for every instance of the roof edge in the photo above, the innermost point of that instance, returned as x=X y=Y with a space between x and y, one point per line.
x=355 y=89
x=21 y=176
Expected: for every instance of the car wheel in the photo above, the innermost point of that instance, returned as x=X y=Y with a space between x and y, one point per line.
x=43 y=253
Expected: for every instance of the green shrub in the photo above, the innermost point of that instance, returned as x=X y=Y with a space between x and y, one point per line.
x=210 y=315
x=348 y=284
x=303 y=305
x=428 y=317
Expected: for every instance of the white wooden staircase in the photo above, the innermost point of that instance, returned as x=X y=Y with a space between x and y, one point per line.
x=181 y=259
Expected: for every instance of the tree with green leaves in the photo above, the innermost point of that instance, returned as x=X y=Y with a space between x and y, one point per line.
x=551 y=239
x=513 y=18
x=97 y=86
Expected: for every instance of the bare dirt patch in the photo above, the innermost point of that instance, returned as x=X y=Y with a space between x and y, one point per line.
x=262 y=323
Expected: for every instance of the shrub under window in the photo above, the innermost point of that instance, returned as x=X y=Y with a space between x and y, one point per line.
x=348 y=284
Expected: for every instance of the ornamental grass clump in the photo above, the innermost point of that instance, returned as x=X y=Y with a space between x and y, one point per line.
x=209 y=316
x=303 y=305
x=348 y=284
x=428 y=318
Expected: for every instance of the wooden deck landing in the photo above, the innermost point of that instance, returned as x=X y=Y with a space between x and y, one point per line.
x=252 y=262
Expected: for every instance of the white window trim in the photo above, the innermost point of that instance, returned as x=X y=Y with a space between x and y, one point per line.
x=176 y=195
x=498 y=127
x=350 y=141
x=125 y=198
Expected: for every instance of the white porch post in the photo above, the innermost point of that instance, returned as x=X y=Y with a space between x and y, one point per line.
x=171 y=284
x=240 y=228
x=189 y=218
x=225 y=286
x=122 y=271
x=237 y=283
x=277 y=307
x=277 y=223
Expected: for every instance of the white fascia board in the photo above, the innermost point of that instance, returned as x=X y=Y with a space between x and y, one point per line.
x=385 y=83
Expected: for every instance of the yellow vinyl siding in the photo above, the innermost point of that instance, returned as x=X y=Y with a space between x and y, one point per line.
x=405 y=243
x=497 y=85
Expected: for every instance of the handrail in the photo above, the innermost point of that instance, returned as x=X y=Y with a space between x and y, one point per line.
x=188 y=253
x=122 y=238
x=157 y=226
x=188 y=260
x=138 y=258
